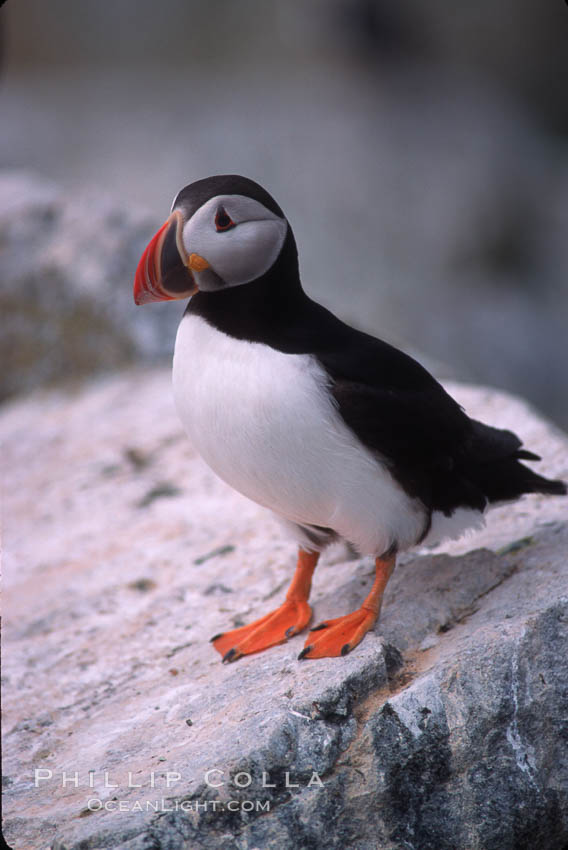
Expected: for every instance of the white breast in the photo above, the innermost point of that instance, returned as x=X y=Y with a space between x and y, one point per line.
x=265 y=423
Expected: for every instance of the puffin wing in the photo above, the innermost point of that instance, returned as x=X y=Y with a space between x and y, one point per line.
x=407 y=419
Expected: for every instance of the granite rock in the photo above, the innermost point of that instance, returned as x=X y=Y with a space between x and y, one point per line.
x=446 y=728
x=68 y=265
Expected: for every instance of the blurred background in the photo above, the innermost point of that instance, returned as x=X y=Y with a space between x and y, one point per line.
x=420 y=152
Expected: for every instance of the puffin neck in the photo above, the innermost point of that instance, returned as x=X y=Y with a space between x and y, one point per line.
x=262 y=310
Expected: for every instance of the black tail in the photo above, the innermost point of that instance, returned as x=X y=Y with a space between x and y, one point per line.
x=507 y=479
x=496 y=467
x=538 y=484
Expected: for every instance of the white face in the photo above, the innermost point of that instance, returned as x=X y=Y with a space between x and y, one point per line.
x=238 y=237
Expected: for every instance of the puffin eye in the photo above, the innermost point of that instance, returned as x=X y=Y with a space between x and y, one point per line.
x=223 y=220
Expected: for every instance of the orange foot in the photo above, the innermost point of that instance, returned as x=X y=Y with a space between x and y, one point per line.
x=341 y=635
x=292 y=617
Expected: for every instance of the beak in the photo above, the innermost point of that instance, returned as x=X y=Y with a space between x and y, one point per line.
x=163 y=272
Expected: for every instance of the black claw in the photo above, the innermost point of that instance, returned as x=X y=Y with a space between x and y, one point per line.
x=304 y=652
x=216 y=636
x=228 y=656
x=345 y=649
x=289 y=632
x=319 y=628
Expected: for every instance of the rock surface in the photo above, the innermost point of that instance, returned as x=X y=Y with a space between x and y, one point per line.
x=446 y=728
x=66 y=286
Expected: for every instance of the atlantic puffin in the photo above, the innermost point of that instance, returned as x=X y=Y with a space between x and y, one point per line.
x=338 y=433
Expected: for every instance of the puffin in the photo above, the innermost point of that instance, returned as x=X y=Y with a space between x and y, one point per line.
x=341 y=435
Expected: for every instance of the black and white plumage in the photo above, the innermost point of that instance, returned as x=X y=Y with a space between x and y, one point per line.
x=338 y=433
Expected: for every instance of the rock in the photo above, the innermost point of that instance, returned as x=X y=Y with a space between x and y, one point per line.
x=446 y=728
x=68 y=267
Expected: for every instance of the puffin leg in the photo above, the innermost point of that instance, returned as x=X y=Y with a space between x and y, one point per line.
x=341 y=635
x=287 y=620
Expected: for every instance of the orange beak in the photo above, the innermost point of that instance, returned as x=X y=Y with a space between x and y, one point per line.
x=163 y=273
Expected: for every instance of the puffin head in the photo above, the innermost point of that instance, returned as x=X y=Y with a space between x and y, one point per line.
x=222 y=232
